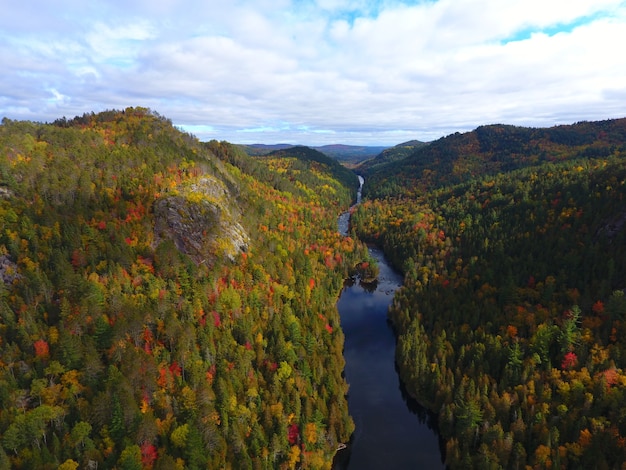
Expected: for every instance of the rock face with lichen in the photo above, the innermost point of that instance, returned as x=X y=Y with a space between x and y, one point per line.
x=201 y=221
x=8 y=270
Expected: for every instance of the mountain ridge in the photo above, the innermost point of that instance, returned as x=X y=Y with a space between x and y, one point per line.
x=495 y=148
x=347 y=154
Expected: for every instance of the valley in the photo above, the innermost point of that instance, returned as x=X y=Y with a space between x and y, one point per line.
x=171 y=303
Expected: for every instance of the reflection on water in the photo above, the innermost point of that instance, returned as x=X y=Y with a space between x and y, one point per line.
x=366 y=286
x=392 y=430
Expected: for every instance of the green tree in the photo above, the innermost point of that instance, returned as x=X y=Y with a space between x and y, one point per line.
x=130 y=458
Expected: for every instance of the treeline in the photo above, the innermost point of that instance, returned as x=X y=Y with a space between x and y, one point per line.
x=118 y=350
x=511 y=320
x=490 y=150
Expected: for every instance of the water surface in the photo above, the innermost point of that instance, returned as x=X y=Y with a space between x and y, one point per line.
x=392 y=430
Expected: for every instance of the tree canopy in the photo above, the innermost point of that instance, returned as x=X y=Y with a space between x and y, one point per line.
x=134 y=332
x=511 y=318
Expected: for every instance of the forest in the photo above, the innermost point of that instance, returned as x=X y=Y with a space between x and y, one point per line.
x=512 y=319
x=168 y=303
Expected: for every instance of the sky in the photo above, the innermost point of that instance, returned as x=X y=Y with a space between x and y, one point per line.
x=316 y=72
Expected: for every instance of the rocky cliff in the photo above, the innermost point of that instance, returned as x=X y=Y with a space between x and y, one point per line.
x=201 y=221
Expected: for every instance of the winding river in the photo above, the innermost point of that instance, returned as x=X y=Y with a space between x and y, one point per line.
x=392 y=430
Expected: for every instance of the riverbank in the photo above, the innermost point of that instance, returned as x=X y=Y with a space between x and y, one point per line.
x=392 y=430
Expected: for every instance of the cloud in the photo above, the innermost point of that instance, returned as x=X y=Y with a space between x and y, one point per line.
x=350 y=71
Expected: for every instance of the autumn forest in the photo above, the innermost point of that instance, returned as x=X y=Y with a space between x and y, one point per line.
x=511 y=322
x=167 y=303
x=170 y=303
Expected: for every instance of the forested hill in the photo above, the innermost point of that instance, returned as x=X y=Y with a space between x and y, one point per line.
x=493 y=149
x=512 y=318
x=166 y=303
x=389 y=155
x=350 y=154
x=308 y=157
x=346 y=154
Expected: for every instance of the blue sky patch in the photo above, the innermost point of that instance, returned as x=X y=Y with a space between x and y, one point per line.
x=525 y=34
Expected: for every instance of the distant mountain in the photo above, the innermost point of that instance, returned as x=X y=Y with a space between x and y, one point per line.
x=392 y=154
x=262 y=149
x=495 y=148
x=352 y=154
x=347 y=154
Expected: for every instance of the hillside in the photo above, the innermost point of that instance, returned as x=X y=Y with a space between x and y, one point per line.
x=262 y=149
x=166 y=303
x=307 y=158
x=494 y=149
x=348 y=155
x=511 y=321
x=390 y=155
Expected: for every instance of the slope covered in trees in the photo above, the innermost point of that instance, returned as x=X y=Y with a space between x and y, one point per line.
x=166 y=303
x=348 y=155
x=512 y=318
x=492 y=149
x=389 y=155
x=307 y=158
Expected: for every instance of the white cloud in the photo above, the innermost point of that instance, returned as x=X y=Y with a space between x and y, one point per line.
x=118 y=44
x=349 y=71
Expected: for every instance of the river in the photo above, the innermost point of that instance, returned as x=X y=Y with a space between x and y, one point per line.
x=392 y=430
